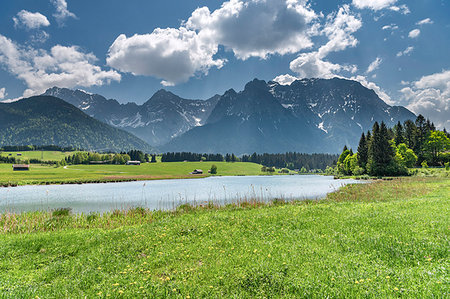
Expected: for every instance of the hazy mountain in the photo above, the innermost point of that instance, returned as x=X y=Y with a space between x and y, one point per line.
x=163 y=117
x=46 y=120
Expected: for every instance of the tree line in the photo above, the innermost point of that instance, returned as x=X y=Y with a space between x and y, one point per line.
x=288 y=160
x=109 y=158
x=390 y=152
x=28 y=148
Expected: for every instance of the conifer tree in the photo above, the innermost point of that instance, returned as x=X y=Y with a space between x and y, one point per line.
x=398 y=134
x=362 y=151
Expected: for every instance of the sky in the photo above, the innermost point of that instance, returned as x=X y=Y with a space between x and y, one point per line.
x=127 y=50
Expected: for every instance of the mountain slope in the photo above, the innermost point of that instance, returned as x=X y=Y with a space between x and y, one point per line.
x=45 y=120
x=250 y=121
x=163 y=117
x=310 y=115
x=341 y=108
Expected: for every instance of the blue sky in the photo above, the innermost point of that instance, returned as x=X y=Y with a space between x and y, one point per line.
x=127 y=50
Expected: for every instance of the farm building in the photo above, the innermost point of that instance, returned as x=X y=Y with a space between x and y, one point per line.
x=133 y=163
x=197 y=171
x=21 y=167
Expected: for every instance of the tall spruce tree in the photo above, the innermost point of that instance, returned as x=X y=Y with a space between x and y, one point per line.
x=398 y=134
x=410 y=133
x=362 y=151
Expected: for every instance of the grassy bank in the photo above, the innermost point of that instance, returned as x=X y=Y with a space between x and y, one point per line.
x=40 y=174
x=385 y=239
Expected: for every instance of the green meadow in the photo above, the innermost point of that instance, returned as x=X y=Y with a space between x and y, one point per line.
x=41 y=155
x=384 y=239
x=42 y=174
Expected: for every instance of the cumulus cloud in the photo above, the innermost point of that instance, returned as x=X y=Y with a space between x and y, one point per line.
x=62 y=66
x=173 y=55
x=414 y=33
x=371 y=85
x=430 y=96
x=3 y=93
x=407 y=51
x=62 y=13
x=374 y=65
x=252 y=28
x=285 y=79
x=403 y=9
x=425 y=21
x=256 y=28
x=30 y=20
x=373 y=4
x=339 y=30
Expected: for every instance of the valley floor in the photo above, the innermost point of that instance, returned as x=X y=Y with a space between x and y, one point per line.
x=385 y=239
x=39 y=174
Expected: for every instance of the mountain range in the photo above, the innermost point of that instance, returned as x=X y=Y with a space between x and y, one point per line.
x=309 y=115
x=47 y=120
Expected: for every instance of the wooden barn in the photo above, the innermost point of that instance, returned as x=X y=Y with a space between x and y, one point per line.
x=197 y=171
x=21 y=167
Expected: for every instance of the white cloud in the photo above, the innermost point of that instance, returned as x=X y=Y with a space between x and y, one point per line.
x=390 y=27
x=285 y=79
x=403 y=9
x=252 y=28
x=414 y=33
x=430 y=96
x=339 y=29
x=256 y=28
x=373 y=4
x=374 y=65
x=371 y=85
x=406 y=51
x=62 y=13
x=30 y=20
x=3 y=93
x=62 y=66
x=173 y=55
x=425 y=21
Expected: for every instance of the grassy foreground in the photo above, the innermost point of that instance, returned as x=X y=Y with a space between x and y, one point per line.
x=386 y=239
x=111 y=173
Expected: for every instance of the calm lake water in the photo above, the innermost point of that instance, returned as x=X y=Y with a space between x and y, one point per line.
x=166 y=194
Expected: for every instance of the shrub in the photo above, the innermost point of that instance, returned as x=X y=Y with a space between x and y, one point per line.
x=424 y=164
x=447 y=166
x=213 y=169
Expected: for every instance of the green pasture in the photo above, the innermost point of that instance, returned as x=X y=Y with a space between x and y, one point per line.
x=41 y=155
x=387 y=239
x=146 y=171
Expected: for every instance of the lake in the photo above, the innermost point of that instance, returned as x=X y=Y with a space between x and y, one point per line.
x=166 y=194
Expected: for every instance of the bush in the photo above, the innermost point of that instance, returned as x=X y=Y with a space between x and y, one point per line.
x=213 y=169
x=447 y=166
x=424 y=164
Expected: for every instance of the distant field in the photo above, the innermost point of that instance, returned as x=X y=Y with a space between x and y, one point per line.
x=41 y=155
x=147 y=171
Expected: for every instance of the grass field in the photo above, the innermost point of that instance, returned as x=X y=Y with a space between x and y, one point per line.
x=41 y=155
x=93 y=173
x=385 y=239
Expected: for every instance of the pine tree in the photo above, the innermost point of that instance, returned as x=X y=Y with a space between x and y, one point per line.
x=362 y=152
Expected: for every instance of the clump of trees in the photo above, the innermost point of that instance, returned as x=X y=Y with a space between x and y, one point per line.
x=390 y=152
x=109 y=158
x=292 y=160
